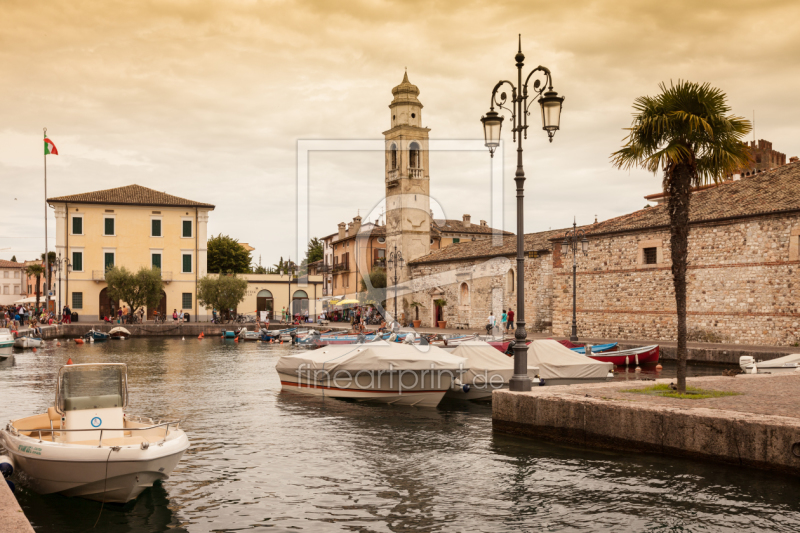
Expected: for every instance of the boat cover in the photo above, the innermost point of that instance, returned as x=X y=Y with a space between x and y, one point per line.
x=557 y=361
x=119 y=329
x=786 y=360
x=378 y=355
x=596 y=348
x=484 y=359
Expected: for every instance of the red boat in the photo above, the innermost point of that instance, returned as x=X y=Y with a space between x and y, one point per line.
x=634 y=356
x=500 y=345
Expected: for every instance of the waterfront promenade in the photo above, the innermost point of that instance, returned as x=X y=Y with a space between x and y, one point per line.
x=758 y=427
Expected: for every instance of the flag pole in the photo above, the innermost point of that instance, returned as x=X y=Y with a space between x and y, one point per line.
x=46 y=250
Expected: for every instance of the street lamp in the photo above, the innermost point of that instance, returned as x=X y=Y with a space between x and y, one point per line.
x=289 y=269
x=571 y=240
x=550 y=104
x=395 y=258
x=61 y=264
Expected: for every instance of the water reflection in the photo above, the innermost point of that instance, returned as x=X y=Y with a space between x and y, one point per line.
x=265 y=459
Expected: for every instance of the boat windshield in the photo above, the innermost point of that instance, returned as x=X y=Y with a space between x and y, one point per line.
x=91 y=386
x=5 y=331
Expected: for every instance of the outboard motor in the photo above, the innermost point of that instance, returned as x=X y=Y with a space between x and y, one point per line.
x=510 y=349
x=423 y=341
x=746 y=360
x=392 y=337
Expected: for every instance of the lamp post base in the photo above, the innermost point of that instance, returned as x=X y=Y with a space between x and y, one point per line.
x=520 y=384
x=573 y=338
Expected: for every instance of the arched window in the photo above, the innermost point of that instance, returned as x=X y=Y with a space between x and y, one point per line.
x=464 y=294
x=299 y=302
x=264 y=302
x=413 y=155
x=510 y=281
x=394 y=156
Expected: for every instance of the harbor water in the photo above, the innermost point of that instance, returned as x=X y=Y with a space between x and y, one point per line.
x=266 y=460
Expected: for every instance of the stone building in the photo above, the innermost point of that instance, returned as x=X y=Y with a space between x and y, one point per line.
x=12 y=279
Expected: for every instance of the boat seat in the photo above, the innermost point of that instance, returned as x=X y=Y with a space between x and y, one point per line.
x=53 y=414
x=79 y=403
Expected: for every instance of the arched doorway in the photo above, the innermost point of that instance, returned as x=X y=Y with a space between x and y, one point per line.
x=264 y=302
x=105 y=305
x=299 y=303
x=161 y=308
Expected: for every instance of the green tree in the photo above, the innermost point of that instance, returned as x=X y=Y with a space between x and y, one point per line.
x=225 y=254
x=13 y=258
x=687 y=133
x=142 y=289
x=315 y=251
x=260 y=270
x=36 y=270
x=376 y=291
x=223 y=292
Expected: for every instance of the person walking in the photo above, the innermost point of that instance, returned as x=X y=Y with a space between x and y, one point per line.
x=492 y=324
x=503 y=322
x=283 y=315
x=510 y=319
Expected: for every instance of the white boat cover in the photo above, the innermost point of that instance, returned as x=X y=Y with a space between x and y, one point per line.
x=379 y=355
x=557 y=361
x=484 y=359
x=119 y=329
x=780 y=362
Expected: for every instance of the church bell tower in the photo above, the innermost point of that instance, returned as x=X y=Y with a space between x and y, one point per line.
x=408 y=206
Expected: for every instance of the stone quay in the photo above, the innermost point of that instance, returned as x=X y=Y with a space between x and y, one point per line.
x=758 y=428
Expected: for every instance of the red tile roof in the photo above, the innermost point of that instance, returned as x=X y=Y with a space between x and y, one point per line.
x=10 y=264
x=129 y=195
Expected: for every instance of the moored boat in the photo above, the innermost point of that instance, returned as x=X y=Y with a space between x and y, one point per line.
x=85 y=445
x=595 y=348
x=97 y=336
x=558 y=365
x=489 y=370
x=6 y=343
x=788 y=364
x=28 y=342
x=247 y=335
x=393 y=373
x=635 y=356
x=119 y=333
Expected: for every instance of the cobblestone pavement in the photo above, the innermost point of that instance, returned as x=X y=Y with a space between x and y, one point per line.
x=760 y=394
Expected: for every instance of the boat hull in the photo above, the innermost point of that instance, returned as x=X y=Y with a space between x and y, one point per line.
x=386 y=389
x=28 y=342
x=6 y=348
x=92 y=472
x=645 y=355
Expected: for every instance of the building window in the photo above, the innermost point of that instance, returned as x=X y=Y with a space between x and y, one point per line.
x=77 y=225
x=456 y=240
x=510 y=281
x=156 y=260
x=77 y=300
x=650 y=256
x=394 y=156
x=16 y=274
x=187 y=228
x=464 y=293
x=6 y=273
x=5 y=289
x=186 y=300
x=187 y=263
x=413 y=156
x=155 y=227
x=108 y=260
x=108 y=226
x=77 y=261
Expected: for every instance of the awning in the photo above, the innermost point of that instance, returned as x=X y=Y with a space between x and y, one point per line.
x=32 y=299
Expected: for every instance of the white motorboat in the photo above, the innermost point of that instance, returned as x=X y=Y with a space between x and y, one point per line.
x=782 y=365
x=87 y=446
x=558 y=365
x=6 y=343
x=379 y=371
x=28 y=342
x=489 y=370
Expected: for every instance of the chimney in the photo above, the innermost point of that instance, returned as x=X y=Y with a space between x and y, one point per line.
x=794 y=159
x=356 y=225
x=341 y=231
x=483 y=223
x=466 y=219
x=349 y=227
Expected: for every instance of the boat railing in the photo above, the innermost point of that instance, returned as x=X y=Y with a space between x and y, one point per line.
x=53 y=431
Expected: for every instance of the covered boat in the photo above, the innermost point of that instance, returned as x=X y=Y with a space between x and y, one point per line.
x=394 y=373
x=489 y=369
x=6 y=343
x=85 y=445
x=97 y=336
x=28 y=342
x=247 y=335
x=119 y=333
x=558 y=365
x=782 y=365
x=596 y=348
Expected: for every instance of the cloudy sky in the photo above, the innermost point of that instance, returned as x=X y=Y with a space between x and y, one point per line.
x=208 y=99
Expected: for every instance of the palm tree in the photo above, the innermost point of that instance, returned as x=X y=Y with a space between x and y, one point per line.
x=688 y=133
x=36 y=270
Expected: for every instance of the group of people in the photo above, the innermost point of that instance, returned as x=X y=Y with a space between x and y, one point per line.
x=19 y=316
x=288 y=318
x=506 y=322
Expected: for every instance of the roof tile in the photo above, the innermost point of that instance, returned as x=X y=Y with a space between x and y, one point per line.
x=130 y=195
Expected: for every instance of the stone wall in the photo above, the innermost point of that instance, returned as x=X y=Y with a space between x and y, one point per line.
x=491 y=287
x=741 y=285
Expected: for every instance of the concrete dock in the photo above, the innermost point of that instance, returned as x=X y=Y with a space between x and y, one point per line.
x=12 y=519
x=759 y=428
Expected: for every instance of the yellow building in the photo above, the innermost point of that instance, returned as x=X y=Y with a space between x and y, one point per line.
x=131 y=226
x=274 y=292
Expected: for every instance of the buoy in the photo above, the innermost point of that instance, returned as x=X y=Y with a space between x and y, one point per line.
x=281 y=342
x=200 y=337
x=78 y=341
x=236 y=339
x=69 y=361
x=638 y=370
x=659 y=367
x=183 y=338
x=34 y=350
x=58 y=344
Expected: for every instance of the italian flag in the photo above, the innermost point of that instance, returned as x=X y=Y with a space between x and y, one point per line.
x=49 y=147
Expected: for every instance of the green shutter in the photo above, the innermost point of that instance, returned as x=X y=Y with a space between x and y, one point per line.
x=187 y=263
x=187 y=228
x=157 y=260
x=156 y=228
x=77 y=226
x=456 y=240
x=109 y=226
x=77 y=262
x=77 y=300
x=186 y=302
x=109 y=260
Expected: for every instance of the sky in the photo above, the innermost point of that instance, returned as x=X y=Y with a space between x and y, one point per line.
x=207 y=100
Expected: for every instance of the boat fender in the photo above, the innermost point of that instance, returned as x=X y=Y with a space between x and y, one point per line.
x=465 y=388
x=11 y=485
x=6 y=466
x=638 y=370
x=58 y=344
x=183 y=338
x=456 y=384
x=659 y=368
x=541 y=382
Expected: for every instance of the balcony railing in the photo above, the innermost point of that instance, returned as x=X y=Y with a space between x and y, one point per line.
x=341 y=267
x=379 y=263
x=415 y=173
x=98 y=275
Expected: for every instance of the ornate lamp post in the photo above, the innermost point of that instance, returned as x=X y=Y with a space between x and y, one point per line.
x=289 y=269
x=395 y=258
x=550 y=104
x=59 y=266
x=571 y=240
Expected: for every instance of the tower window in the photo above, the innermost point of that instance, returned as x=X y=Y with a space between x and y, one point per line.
x=394 y=156
x=650 y=256
x=413 y=160
x=413 y=115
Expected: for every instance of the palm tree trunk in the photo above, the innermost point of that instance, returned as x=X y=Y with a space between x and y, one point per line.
x=678 y=207
x=38 y=284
